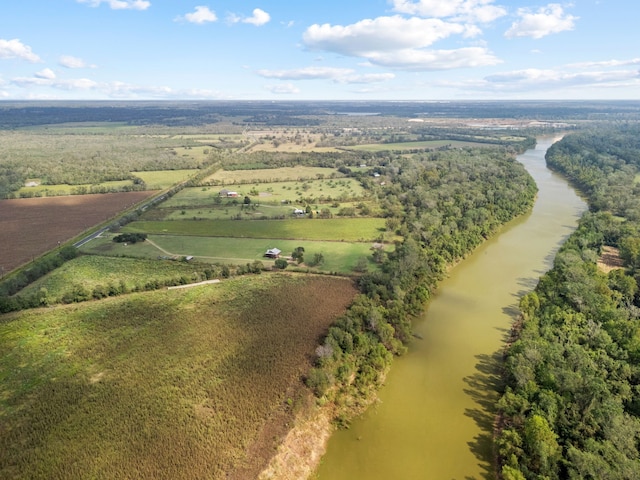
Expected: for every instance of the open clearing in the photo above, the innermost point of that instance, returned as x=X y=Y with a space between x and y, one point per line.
x=33 y=226
x=335 y=229
x=181 y=384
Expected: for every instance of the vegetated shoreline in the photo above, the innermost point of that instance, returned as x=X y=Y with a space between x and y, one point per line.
x=300 y=453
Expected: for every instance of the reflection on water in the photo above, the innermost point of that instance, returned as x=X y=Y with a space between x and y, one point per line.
x=435 y=415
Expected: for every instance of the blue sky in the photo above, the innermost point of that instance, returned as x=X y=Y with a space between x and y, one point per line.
x=329 y=50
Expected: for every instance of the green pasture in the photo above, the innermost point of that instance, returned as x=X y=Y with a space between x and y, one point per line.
x=339 y=257
x=200 y=153
x=90 y=271
x=254 y=211
x=299 y=172
x=65 y=189
x=328 y=190
x=428 y=144
x=161 y=179
x=335 y=229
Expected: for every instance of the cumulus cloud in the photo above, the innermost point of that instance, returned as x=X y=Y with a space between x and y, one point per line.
x=259 y=18
x=338 y=75
x=201 y=15
x=547 y=20
x=482 y=11
x=16 y=49
x=380 y=34
x=68 y=61
x=283 y=88
x=430 y=60
x=47 y=73
x=119 y=4
x=569 y=79
x=399 y=42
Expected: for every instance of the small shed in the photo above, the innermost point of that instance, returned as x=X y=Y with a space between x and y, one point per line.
x=273 y=253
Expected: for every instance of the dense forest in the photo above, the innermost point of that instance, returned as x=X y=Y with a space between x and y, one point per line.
x=443 y=204
x=22 y=114
x=571 y=404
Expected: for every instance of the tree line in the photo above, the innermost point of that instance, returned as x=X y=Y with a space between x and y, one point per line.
x=571 y=401
x=443 y=204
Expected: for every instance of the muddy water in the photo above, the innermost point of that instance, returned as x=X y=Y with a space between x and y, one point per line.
x=434 y=417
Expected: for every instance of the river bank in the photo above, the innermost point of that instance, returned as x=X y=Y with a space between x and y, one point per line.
x=435 y=414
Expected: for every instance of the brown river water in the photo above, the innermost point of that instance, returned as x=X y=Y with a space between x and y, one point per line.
x=434 y=417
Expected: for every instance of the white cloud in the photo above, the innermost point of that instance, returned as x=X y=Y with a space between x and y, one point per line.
x=119 y=4
x=564 y=79
x=606 y=63
x=399 y=42
x=430 y=60
x=283 y=88
x=482 y=11
x=16 y=49
x=200 y=16
x=53 y=82
x=307 y=73
x=338 y=75
x=68 y=61
x=547 y=20
x=378 y=35
x=259 y=18
x=47 y=73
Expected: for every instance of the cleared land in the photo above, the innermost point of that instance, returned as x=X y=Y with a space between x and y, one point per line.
x=193 y=383
x=32 y=226
x=282 y=174
x=339 y=257
x=335 y=229
x=427 y=144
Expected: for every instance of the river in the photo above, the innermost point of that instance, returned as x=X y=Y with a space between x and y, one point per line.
x=434 y=417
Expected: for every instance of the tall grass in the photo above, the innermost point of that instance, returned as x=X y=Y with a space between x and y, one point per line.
x=166 y=385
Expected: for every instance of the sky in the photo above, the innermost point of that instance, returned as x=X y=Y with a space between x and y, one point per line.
x=426 y=50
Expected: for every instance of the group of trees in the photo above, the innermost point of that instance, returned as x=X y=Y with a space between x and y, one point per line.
x=571 y=403
x=443 y=204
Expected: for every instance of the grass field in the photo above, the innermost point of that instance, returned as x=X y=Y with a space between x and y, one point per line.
x=299 y=172
x=335 y=229
x=181 y=384
x=52 y=190
x=161 y=179
x=339 y=257
x=227 y=211
x=343 y=189
x=90 y=271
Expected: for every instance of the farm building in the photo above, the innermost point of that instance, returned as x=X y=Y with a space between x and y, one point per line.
x=273 y=253
x=227 y=193
x=298 y=211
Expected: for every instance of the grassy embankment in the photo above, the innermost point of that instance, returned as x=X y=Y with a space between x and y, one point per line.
x=193 y=383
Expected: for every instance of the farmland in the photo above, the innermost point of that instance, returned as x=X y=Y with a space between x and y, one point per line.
x=32 y=226
x=136 y=380
x=167 y=384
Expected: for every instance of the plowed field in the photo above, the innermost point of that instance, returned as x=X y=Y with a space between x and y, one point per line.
x=31 y=226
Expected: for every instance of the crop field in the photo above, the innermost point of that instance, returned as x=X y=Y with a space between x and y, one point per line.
x=90 y=271
x=32 y=226
x=335 y=229
x=180 y=384
x=341 y=257
x=300 y=172
x=161 y=179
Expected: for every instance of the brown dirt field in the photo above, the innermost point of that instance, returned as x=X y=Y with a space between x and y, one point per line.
x=610 y=259
x=30 y=227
